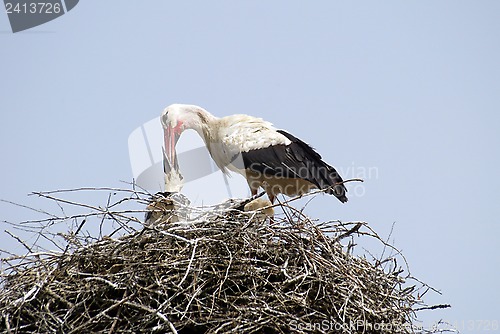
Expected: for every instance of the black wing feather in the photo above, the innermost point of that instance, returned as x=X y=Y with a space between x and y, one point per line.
x=297 y=160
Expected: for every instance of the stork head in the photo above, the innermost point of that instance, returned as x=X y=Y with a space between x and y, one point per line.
x=175 y=119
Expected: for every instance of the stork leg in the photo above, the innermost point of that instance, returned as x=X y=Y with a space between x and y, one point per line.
x=271 y=197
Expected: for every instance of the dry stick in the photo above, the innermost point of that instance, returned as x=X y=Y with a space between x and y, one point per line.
x=123 y=200
x=155 y=312
x=92 y=189
x=397 y=251
x=348 y=233
x=284 y=211
x=190 y=263
x=227 y=269
x=58 y=218
x=433 y=307
x=425 y=284
x=387 y=241
x=103 y=218
x=241 y=205
x=99 y=209
x=300 y=213
x=7 y=323
x=118 y=313
x=19 y=240
x=68 y=244
x=27 y=207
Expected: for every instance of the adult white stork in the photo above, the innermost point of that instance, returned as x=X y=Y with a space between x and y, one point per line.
x=269 y=158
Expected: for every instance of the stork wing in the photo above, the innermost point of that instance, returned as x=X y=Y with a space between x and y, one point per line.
x=295 y=160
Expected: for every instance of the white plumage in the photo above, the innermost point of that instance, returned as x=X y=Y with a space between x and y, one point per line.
x=249 y=133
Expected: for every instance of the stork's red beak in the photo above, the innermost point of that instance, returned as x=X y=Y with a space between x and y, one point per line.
x=171 y=136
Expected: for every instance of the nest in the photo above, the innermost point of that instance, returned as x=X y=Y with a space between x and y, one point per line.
x=226 y=271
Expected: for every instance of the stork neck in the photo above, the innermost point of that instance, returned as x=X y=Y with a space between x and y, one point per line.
x=208 y=126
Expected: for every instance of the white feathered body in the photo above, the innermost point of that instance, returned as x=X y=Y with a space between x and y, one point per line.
x=232 y=135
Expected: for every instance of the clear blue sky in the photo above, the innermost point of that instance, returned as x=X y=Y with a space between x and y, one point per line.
x=409 y=88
